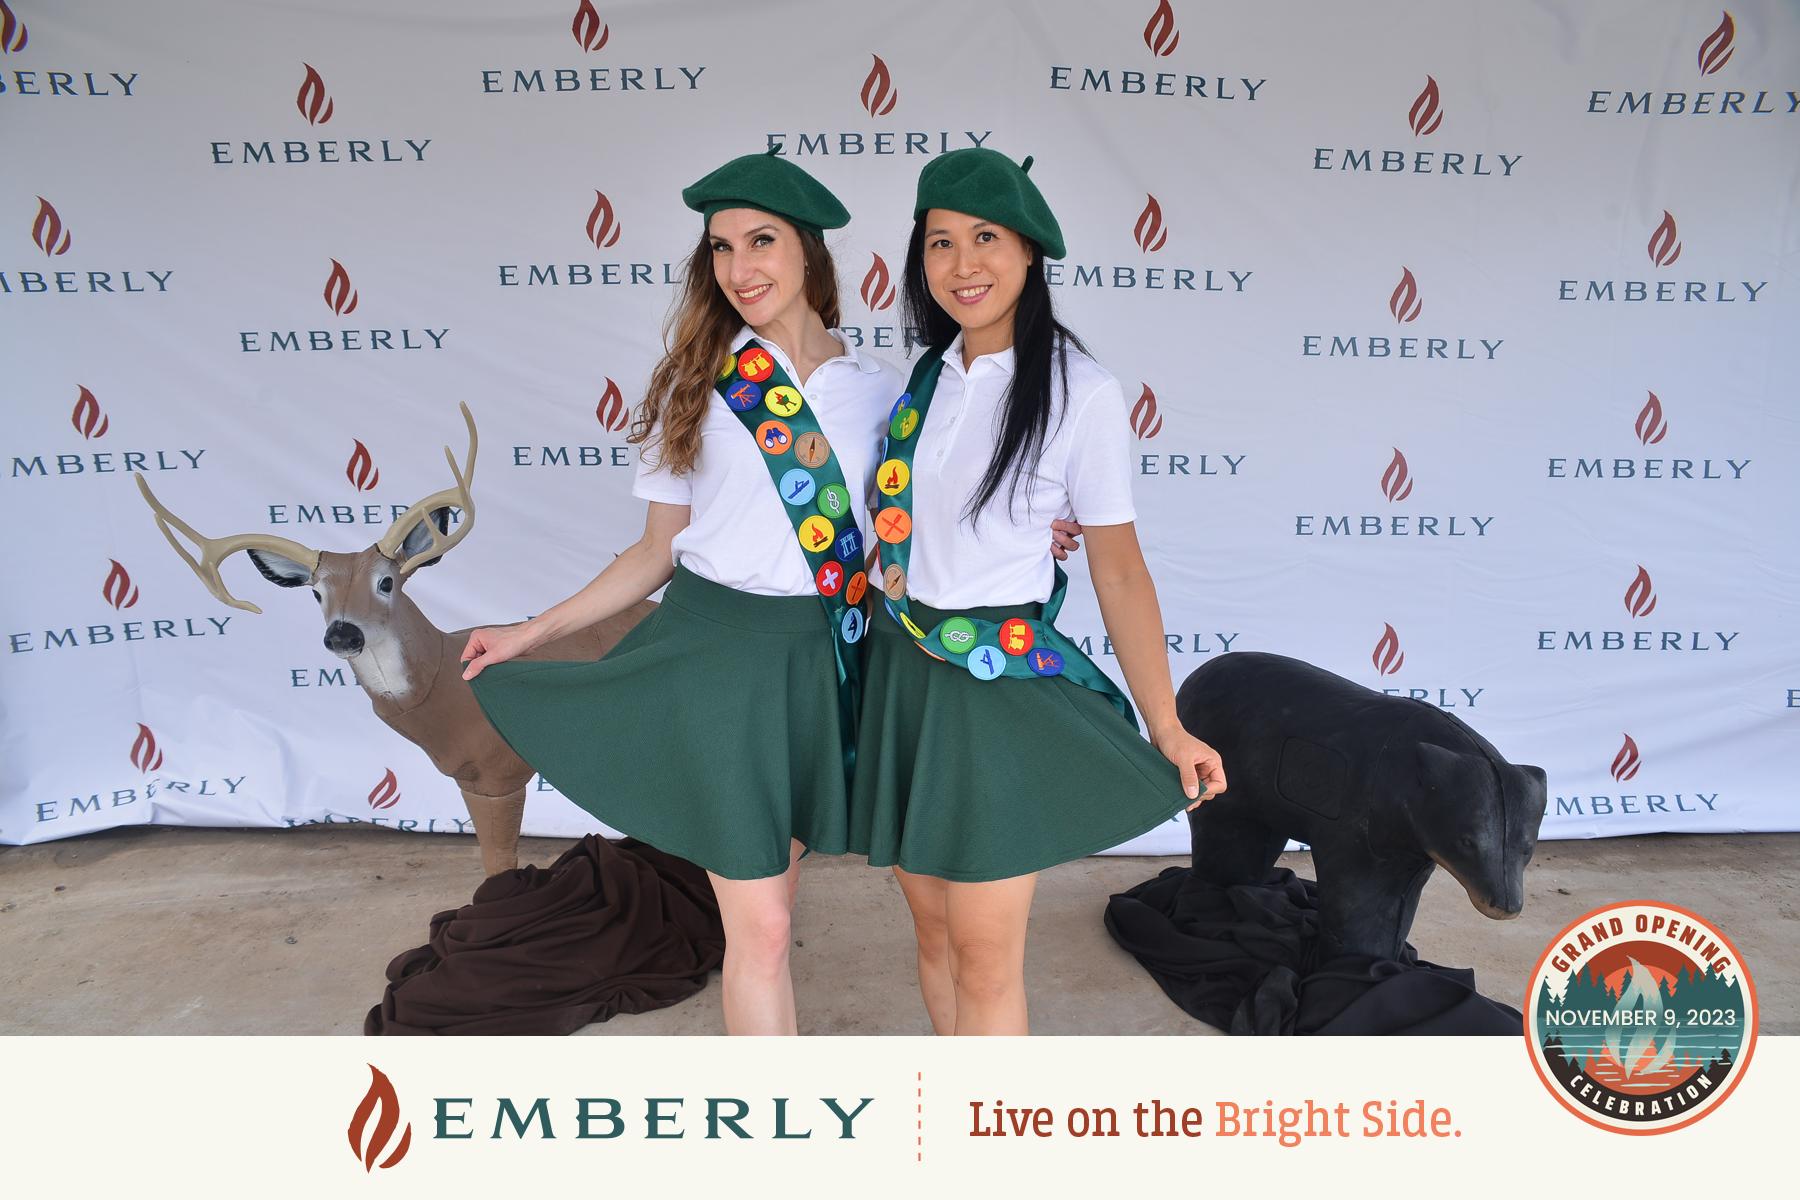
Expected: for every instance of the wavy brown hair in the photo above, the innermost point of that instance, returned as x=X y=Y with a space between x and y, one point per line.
x=696 y=338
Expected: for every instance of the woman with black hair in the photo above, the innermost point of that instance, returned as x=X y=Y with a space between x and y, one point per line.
x=989 y=746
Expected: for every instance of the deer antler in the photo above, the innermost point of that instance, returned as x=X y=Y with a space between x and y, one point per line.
x=392 y=541
x=214 y=551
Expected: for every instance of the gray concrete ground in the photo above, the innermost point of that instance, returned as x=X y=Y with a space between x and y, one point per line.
x=185 y=931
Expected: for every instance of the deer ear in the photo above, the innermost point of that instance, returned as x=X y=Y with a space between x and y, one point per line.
x=280 y=570
x=418 y=538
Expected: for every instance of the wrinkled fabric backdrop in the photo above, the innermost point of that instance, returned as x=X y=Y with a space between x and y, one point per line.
x=1460 y=340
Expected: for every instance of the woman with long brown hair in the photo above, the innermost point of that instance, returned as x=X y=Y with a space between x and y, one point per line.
x=721 y=729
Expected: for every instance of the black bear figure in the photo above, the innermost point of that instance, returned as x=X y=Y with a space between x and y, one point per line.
x=1382 y=788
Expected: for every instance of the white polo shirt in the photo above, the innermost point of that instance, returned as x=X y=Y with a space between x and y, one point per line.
x=739 y=533
x=1084 y=470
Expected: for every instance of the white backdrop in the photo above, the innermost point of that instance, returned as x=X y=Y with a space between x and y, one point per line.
x=1465 y=337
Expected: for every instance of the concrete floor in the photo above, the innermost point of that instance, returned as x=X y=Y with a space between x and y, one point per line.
x=210 y=931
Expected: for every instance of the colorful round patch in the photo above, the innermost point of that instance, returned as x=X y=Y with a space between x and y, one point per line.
x=1044 y=661
x=957 y=634
x=815 y=534
x=743 y=396
x=900 y=405
x=893 y=525
x=725 y=369
x=1016 y=636
x=1640 y=1017
x=911 y=628
x=903 y=424
x=986 y=662
x=783 y=401
x=892 y=477
x=834 y=501
x=755 y=365
x=830 y=579
x=854 y=589
x=853 y=624
x=893 y=581
x=774 y=437
x=797 y=487
x=812 y=450
x=849 y=545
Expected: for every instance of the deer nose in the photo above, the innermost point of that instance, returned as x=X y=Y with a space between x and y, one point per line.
x=343 y=639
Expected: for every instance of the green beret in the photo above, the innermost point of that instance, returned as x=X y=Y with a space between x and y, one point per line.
x=985 y=183
x=769 y=184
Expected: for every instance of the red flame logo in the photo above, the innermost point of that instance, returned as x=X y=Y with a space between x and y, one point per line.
x=611 y=411
x=118 y=589
x=1651 y=428
x=1146 y=422
x=590 y=32
x=1396 y=481
x=1425 y=115
x=877 y=293
x=339 y=295
x=381 y=1096
x=878 y=94
x=1405 y=303
x=1388 y=656
x=87 y=418
x=13 y=35
x=361 y=470
x=385 y=794
x=144 y=754
x=1160 y=34
x=1715 y=51
x=1664 y=249
x=47 y=230
x=1149 y=232
x=311 y=100
x=1640 y=601
x=1626 y=762
x=602 y=228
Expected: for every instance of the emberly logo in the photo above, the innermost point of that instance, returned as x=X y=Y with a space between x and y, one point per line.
x=1424 y=117
x=316 y=106
x=91 y=422
x=1161 y=35
x=877 y=97
x=1640 y=600
x=591 y=34
x=1651 y=426
x=878 y=295
x=14 y=37
x=1396 y=487
x=382 y=1103
x=146 y=757
x=363 y=475
x=613 y=416
x=1626 y=762
x=1715 y=51
x=120 y=592
x=1663 y=249
x=1405 y=304
x=1147 y=424
x=341 y=299
x=1388 y=657
x=601 y=230
x=51 y=235
x=1150 y=234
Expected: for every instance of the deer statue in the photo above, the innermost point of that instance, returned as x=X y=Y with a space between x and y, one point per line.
x=409 y=667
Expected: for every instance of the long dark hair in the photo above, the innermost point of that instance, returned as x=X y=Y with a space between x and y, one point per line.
x=1040 y=345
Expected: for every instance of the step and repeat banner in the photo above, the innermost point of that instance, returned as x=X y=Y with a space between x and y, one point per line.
x=1460 y=340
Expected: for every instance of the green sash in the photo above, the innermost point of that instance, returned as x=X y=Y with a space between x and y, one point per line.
x=1019 y=647
x=810 y=483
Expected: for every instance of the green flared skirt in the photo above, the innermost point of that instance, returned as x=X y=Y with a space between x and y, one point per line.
x=711 y=731
x=973 y=780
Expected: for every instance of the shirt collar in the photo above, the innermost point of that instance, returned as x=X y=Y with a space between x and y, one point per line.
x=862 y=362
x=1001 y=360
